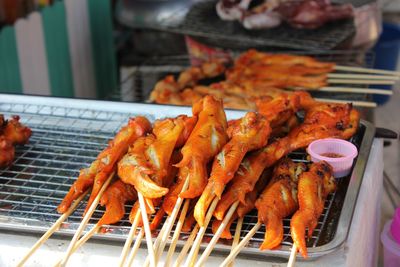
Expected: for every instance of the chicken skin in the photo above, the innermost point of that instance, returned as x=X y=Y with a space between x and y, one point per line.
x=114 y=199
x=96 y=174
x=278 y=200
x=246 y=134
x=206 y=140
x=314 y=186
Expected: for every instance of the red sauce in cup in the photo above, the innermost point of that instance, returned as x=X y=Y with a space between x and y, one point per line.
x=332 y=155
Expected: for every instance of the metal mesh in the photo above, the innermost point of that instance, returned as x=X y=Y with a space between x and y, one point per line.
x=203 y=21
x=64 y=140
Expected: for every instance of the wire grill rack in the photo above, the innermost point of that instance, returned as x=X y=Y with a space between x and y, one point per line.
x=64 y=140
x=203 y=21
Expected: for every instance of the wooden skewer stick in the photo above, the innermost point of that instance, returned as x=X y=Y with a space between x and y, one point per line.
x=135 y=247
x=361 y=76
x=348 y=81
x=85 y=221
x=177 y=232
x=355 y=90
x=365 y=104
x=129 y=240
x=366 y=70
x=236 y=237
x=241 y=245
x=169 y=223
x=83 y=240
x=217 y=235
x=147 y=231
x=196 y=246
x=52 y=229
x=186 y=247
x=292 y=259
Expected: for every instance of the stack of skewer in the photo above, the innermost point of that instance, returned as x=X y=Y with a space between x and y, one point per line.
x=257 y=73
x=167 y=165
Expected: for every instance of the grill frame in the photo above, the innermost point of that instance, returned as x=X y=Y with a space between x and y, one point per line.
x=103 y=115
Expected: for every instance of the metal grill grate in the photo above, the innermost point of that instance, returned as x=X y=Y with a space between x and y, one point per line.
x=65 y=140
x=203 y=21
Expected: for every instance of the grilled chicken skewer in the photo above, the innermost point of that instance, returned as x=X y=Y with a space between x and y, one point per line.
x=190 y=77
x=106 y=161
x=243 y=207
x=205 y=141
x=280 y=199
x=248 y=133
x=148 y=161
x=313 y=189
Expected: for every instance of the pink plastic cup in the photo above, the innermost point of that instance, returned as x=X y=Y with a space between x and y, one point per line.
x=346 y=150
x=390 y=238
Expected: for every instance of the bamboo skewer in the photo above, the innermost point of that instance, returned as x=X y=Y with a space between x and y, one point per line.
x=129 y=240
x=85 y=221
x=292 y=258
x=146 y=226
x=217 y=235
x=365 y=104
x=169 y=223
x=52 y=229
x=196 y=246
x=241 y=245
x=359 y=81
x=186 y=247
x=236 y=237
x=353 y=90
x=83 y=240
x=177 y=232
x=135 y=247
x=362 y=76
x=366 y=70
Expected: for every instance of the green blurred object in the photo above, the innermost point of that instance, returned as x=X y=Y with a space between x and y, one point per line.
x=10 y=79
x=57 y=50
x=78 y=48
x=100 y=16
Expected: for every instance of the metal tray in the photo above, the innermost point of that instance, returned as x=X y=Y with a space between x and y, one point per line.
x=68 y=134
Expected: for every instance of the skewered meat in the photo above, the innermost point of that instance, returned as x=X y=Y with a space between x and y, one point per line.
x=15 y=132
x=262 y=17
x=114 y=199
x=245 y=207
x=232 y=9
x=278 y=200
x=146 y=164
x=253 y=56
x=7 y=152
x=246 y=134
x=311 y=14
x=171 y=91
x=314 y=186
x=321 y=121
x=205 y=141
x=2 y=122
x=191 y=76
x=96 y=174
x=12 y=133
